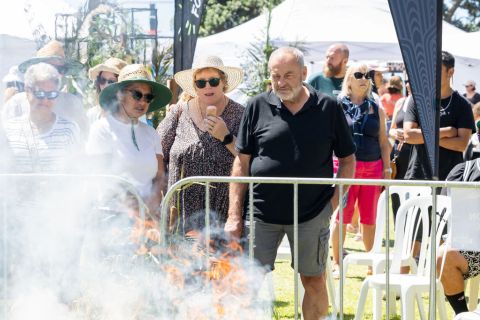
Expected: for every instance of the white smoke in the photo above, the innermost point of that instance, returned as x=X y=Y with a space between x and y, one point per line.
x=67 y=253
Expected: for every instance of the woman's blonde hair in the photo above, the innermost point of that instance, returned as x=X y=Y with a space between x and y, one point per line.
x=347 y=81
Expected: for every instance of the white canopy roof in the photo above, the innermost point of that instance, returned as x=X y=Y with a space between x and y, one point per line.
x=366 y=26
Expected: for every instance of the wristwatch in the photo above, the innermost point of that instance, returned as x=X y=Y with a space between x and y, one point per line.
x=227 y=139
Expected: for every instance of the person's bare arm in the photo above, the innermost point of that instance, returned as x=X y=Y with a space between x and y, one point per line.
x=346 y=170
x=241 y=168
x=158 y=187
x=458 y=142
x=412 y=133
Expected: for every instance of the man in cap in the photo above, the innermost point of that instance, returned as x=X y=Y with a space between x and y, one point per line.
x=471 y=94
x=330 y=80
x=67 y=105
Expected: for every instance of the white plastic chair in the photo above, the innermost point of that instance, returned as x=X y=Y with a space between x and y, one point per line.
x=410 y=286
x=473 y=284
x=376 y=256
x=472 y=315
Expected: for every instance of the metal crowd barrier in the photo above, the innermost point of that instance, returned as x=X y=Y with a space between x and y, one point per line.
x=207 y=180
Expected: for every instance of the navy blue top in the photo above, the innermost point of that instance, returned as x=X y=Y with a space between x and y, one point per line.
x=365 y=128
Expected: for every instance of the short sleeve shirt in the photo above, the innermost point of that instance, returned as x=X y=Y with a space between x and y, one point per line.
x=285 y=145
x=455 y=112
x=326 y=85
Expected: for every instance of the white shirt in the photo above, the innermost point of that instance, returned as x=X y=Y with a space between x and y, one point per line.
x=109 y=136
x=67 y=106
x=49 y=152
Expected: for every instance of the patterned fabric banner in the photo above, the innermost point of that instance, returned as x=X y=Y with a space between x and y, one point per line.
x=188 y=14
x=419 y=32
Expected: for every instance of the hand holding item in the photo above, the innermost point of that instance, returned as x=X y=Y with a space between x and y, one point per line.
x=211 y=111
x=216 y=127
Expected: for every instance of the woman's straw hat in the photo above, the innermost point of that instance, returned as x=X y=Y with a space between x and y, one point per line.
x=52 y=53
x=135 y=73
x=185 y=78
x=113 y=65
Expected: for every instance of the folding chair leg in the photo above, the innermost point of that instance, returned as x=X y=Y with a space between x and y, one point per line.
x=408 y=305
x=473 y=293
x=421 y=309
x=331 y=289
x=377 y=304
x=442 y=311
x=362 y=300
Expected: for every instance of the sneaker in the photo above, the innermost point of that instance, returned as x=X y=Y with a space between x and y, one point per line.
x=358 y=237
x=352 y=229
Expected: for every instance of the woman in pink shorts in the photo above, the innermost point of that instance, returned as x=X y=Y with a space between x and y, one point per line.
x=368 y=124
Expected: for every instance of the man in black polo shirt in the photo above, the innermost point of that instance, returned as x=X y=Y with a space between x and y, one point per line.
x=291 y=132
x=456 y=127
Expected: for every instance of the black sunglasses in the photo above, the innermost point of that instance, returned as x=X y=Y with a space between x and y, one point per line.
x=360 y=75
x=40 y=94
x=202 y=83
x=137 y=95
x=101 y=81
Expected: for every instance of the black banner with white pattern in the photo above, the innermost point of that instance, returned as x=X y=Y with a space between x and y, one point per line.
x=188 y=15
x=419 y=31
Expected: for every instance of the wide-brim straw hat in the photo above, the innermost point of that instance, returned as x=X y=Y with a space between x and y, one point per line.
x=135 y=73
x=52 y=53
x=113 y=65
x=184 y=79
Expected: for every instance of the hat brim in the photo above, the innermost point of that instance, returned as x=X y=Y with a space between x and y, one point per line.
x=73 y=67
x=162 y=94
x=185 y=78
x=95 y=71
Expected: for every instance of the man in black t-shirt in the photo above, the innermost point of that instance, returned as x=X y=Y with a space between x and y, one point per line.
x=456 y=127
x=291 y=131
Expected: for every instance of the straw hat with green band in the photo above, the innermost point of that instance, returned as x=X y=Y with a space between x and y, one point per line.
x=53 y=53
x=135 y=73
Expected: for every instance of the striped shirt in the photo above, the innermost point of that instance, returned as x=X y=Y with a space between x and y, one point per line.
x=48 y=152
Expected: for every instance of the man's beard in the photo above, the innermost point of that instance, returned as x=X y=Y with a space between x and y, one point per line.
x=290 y=96
x=332 y=71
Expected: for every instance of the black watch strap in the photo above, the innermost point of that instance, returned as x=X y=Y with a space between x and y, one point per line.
x=227 y=139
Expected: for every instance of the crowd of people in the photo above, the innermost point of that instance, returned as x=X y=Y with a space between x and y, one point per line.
x=345 y=121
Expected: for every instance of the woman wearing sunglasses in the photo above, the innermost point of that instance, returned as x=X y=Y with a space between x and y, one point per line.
x=368 y=125
x=102 y=75
x=198 y=137
x=128 y=147
x=40 y=140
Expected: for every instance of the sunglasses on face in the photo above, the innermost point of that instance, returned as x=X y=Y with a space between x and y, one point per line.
x=137 y=95
x=360 y=75
x=40 y=94
x=101 y=81
x=202 y=83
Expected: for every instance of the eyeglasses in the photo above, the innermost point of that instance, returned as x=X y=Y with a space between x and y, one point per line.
x=101 y=81
x=202 y=83
x=40 y=94
x=137 y=95
x=360 y=75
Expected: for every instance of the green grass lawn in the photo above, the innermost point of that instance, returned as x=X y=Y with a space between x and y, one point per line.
x=284 y=298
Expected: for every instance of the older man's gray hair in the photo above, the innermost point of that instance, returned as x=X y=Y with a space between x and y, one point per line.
x=41 y=72
x=292 y=51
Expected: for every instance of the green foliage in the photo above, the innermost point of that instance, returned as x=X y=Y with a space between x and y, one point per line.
x=464 y=14
x=221 y=15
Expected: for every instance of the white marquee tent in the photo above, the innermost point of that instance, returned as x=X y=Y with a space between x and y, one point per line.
x=366 y=26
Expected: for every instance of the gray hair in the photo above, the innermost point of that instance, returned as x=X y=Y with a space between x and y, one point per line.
x=299 y=57
x=41 y=72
